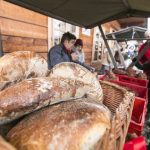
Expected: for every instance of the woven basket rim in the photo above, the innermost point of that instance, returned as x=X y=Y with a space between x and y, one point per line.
x=127 y=99
x=115 y=137
x=115 y=86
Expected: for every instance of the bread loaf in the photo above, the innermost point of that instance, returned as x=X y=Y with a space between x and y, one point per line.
x=75 y=71
x=72 y=125
x=32 y=94
x=20 y=65
x=5 y=145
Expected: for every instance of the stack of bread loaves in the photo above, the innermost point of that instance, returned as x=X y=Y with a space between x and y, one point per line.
x=74 y=118
x=16 y=66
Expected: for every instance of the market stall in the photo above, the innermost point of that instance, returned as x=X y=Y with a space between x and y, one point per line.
x=132 y=34
x=90 y=13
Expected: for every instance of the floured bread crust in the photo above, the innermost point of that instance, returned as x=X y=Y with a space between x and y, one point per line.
x=76 y=71
x=20 y=65
x=32 y=94
x=72 y=125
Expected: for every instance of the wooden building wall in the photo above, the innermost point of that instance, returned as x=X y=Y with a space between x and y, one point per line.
x=23 y=29
x=87 y=45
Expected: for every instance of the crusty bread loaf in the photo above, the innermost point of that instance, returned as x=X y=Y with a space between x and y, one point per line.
x=76 y=71
x=5 y=145
x=20 y=65
x=72 y=125
x=32 y=94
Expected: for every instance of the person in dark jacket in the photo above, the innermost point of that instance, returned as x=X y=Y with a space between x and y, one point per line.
x=144 y=64
x=63 y=52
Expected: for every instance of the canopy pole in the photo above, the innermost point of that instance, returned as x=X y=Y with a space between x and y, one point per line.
x=1 y=45
x=133 y=33
x=107 y=46
x=118 y=49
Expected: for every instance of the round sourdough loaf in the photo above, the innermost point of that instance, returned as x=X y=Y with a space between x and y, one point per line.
x=76 y=71
x=35 y=93
x=72 y=125
x=20 y=65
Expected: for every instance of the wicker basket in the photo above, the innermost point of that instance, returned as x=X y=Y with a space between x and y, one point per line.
x=120 y=102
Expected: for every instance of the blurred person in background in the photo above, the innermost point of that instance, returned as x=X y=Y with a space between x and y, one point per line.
x=105 y=62
x=78 y=48
x=144 y=64
x=63 y=52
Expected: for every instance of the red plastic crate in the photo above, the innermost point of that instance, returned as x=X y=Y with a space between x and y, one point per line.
x=101 y=77
x=130 y=130
x=132 y=80
x=138 y=116
x=140 y=91
x=138 y=143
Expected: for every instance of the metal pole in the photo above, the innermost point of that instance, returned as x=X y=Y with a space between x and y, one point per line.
x=120 y=54
x=107 y=46
x=129 y=39
x=133 y=33
x=1 y=45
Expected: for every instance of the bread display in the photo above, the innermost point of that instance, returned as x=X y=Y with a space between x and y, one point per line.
x=141 y=75
x=5 y=145
x=131 y=72
x=71 y=125
x=32 y=94
x=20 y=65
x=65 y=109
x=120 y=71
x=76 y=71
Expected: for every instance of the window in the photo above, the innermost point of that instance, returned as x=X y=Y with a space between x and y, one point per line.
x=86 y=32
x=71 y=28
x=60 y=27
x=98 y=45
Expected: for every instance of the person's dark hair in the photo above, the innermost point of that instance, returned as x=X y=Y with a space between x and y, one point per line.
x=117 y=58
x=67 y=36
x=78 y=42
x=125 y=56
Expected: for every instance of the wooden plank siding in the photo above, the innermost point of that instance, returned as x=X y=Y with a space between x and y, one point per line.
x=107 y=28
x=87 y=45
x=23 y=29
x=11 y=43
x=15 y=12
